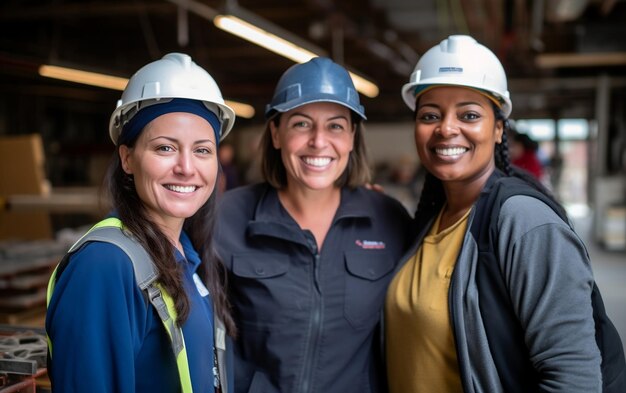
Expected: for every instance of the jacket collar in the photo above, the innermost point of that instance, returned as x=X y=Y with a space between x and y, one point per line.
x=272 y=219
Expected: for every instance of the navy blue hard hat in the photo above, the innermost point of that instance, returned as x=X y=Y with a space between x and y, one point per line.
x=318 y=80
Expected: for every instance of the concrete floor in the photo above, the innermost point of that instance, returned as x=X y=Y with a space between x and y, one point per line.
x=609 y=268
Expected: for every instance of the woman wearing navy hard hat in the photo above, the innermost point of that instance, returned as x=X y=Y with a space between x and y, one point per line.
x=310 y=251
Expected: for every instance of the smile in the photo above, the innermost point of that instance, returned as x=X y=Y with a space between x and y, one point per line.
x=451 y=151
x=318 y=162
x=181 y=189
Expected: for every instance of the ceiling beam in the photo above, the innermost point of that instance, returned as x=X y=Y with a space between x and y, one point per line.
x=556 y=60
x=70 y=11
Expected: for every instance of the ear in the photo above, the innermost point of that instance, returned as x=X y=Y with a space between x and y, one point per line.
x=274 y=134
x=499 y=131
x=125 y=158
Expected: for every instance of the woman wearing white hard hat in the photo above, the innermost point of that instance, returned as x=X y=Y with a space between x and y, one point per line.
x=310 y=251
x=461 y=316
x=138 y=304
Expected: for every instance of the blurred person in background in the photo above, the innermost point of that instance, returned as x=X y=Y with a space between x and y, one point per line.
x=230 y=172
x=523 y=152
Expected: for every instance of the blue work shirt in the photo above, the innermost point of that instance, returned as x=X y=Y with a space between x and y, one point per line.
x=107 y=337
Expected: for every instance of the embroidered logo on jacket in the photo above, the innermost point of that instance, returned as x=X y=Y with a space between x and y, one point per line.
x=370 y=244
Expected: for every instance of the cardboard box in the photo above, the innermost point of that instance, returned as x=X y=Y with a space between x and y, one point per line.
x=22 y=172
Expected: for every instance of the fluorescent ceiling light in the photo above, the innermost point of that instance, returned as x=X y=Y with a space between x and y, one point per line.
x=118 y=83
x=261 y=35
x=84 y=77
x=242 y=110
x=267 y=40
x=366 y=87
x=244 y=24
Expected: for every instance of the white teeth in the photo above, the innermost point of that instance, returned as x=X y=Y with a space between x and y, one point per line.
x=451 y=151
x=317 y=161
x=181 y=189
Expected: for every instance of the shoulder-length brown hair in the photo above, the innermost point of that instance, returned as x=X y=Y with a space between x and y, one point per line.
x=356 y=174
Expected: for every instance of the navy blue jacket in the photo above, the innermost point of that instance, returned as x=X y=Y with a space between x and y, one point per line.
x=107 y=337
x=307 y=319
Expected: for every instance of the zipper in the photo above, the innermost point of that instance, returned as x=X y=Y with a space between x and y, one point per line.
x=315 y=322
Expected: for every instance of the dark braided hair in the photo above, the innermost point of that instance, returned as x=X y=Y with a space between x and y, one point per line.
x=433 y=196
x=503 y=163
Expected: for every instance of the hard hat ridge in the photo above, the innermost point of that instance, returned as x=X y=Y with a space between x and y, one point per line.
x=175 y=76
x=459 y=60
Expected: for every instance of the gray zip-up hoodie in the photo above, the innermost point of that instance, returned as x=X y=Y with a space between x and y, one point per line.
x=548 y=277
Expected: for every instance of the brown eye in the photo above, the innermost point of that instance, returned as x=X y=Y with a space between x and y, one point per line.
x=471 y=116
x=428 y=117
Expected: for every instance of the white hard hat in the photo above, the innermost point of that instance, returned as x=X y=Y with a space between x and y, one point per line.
x=459 y=61
x=173 y=76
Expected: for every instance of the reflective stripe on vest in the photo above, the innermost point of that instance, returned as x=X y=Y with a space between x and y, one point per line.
x=111 y=231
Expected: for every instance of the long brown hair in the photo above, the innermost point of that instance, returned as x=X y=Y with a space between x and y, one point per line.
x=126 y=203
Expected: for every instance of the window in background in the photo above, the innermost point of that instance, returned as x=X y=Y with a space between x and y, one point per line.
x=567 y=171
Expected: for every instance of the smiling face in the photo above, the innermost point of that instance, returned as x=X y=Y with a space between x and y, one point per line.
x=315 y=141
x=174 y=166
x=455 y=134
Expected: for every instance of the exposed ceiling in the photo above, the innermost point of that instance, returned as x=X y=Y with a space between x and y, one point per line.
x=379 y=39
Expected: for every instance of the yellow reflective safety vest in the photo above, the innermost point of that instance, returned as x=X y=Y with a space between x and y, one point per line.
x=111 y=230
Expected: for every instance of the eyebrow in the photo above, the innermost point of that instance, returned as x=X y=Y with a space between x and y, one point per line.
x=460 y=104
x=200 y=141
x=309 y=117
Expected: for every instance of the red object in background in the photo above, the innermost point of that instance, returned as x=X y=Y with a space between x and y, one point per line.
x=529 y=162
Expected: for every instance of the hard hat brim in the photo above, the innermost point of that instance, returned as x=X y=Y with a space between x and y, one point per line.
x=409 y=94
x=298 y=102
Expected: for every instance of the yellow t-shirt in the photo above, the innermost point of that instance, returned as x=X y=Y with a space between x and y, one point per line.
x=420 y=350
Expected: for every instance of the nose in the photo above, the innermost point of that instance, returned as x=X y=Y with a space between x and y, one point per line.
x=318 y=137
x=449 y=126
x=184 y=164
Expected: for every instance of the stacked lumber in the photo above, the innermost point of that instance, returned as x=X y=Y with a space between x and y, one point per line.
x=25 y=267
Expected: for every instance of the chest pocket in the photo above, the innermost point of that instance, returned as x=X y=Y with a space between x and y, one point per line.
x=369 y=273
x=263 y=288
x=258 y=266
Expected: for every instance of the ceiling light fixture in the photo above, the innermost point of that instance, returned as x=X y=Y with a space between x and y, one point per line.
x=242 y=110
x=252 y=28
x=84 y=77
x=263 y=38
x=118 y=83
x=244 y=24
